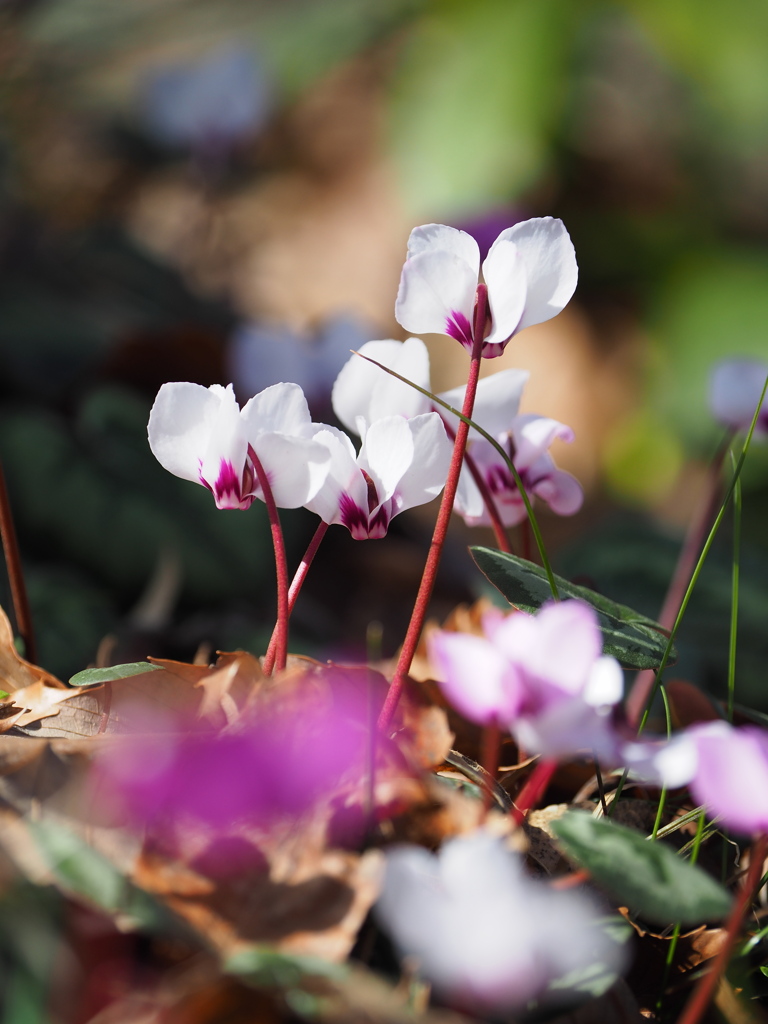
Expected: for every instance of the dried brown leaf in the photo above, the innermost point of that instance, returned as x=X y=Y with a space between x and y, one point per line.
x=15 y=672
x=35 y=702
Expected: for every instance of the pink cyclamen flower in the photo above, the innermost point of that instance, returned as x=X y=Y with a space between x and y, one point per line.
x=526 y=438
x=544 y=677
x=201 y=434
x=725 y=768
x=735 y=386
x=485 y=934
x=402 y=463
x=530 y=272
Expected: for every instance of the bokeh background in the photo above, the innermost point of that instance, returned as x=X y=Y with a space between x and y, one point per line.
x=216 y=190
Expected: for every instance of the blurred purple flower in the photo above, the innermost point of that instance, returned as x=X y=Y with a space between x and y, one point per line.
x=209 y=104
x=263 y=354
x=486 y=227
x=488 y=936
x=735 y=386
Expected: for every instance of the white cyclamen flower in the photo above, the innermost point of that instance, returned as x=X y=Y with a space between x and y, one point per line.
x=530 y=272
x=526 y=438
x=201 y=434
x=402 y=463
x=485 y=934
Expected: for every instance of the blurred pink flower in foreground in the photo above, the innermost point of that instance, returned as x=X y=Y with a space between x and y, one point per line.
x=364 y=392
x=725 y=768
x=201 y=434
x=278 y=762
x=735 y=386
x=530 y=272
x=402 y=463
x=485 y=934
x=543 y=677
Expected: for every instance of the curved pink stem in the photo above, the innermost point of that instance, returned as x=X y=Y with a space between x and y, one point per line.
x=443 y=518
x=294 y=589
x=533 y=790
x=281 y=565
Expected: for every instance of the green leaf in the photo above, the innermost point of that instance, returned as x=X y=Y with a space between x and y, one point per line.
x=645 y=876
x=635 y=640
x=96 y=676
x=82 y=871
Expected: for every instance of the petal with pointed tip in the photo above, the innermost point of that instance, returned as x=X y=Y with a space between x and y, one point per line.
x=549 y=258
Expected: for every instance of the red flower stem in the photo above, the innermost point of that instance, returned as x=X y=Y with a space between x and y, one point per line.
x=533 y=790
x=281 y=566
x=499 y=533
x=293 y=590
x=419 y=612
x=701 y=996
x=700 y=526
x=19 y=598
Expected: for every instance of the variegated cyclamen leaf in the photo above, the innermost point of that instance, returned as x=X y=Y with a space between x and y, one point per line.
x=633 y=639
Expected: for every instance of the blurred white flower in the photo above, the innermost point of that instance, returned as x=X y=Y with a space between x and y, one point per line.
x=484 y=933
x=735 y=386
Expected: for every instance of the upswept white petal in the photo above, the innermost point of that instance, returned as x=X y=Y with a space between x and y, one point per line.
x=549 y=258
x=425 y=477
x=561 y=491
x=505 y=274
x=437 y=295
x=496 y=402
x=180 y=424
x=735 y=386
x=296 y=467
x=567 y=728
x=533 y=435
x=343 y=475
x=387 y=453
x=281 y=408
x=363 y=392
x=226 y=444
x=441 y=237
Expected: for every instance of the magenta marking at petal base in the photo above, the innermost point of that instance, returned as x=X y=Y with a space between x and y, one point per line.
x=458 y=327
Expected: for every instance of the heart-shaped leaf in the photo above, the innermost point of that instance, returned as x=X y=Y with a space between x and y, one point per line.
x=643 y=875
x=633 y=639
